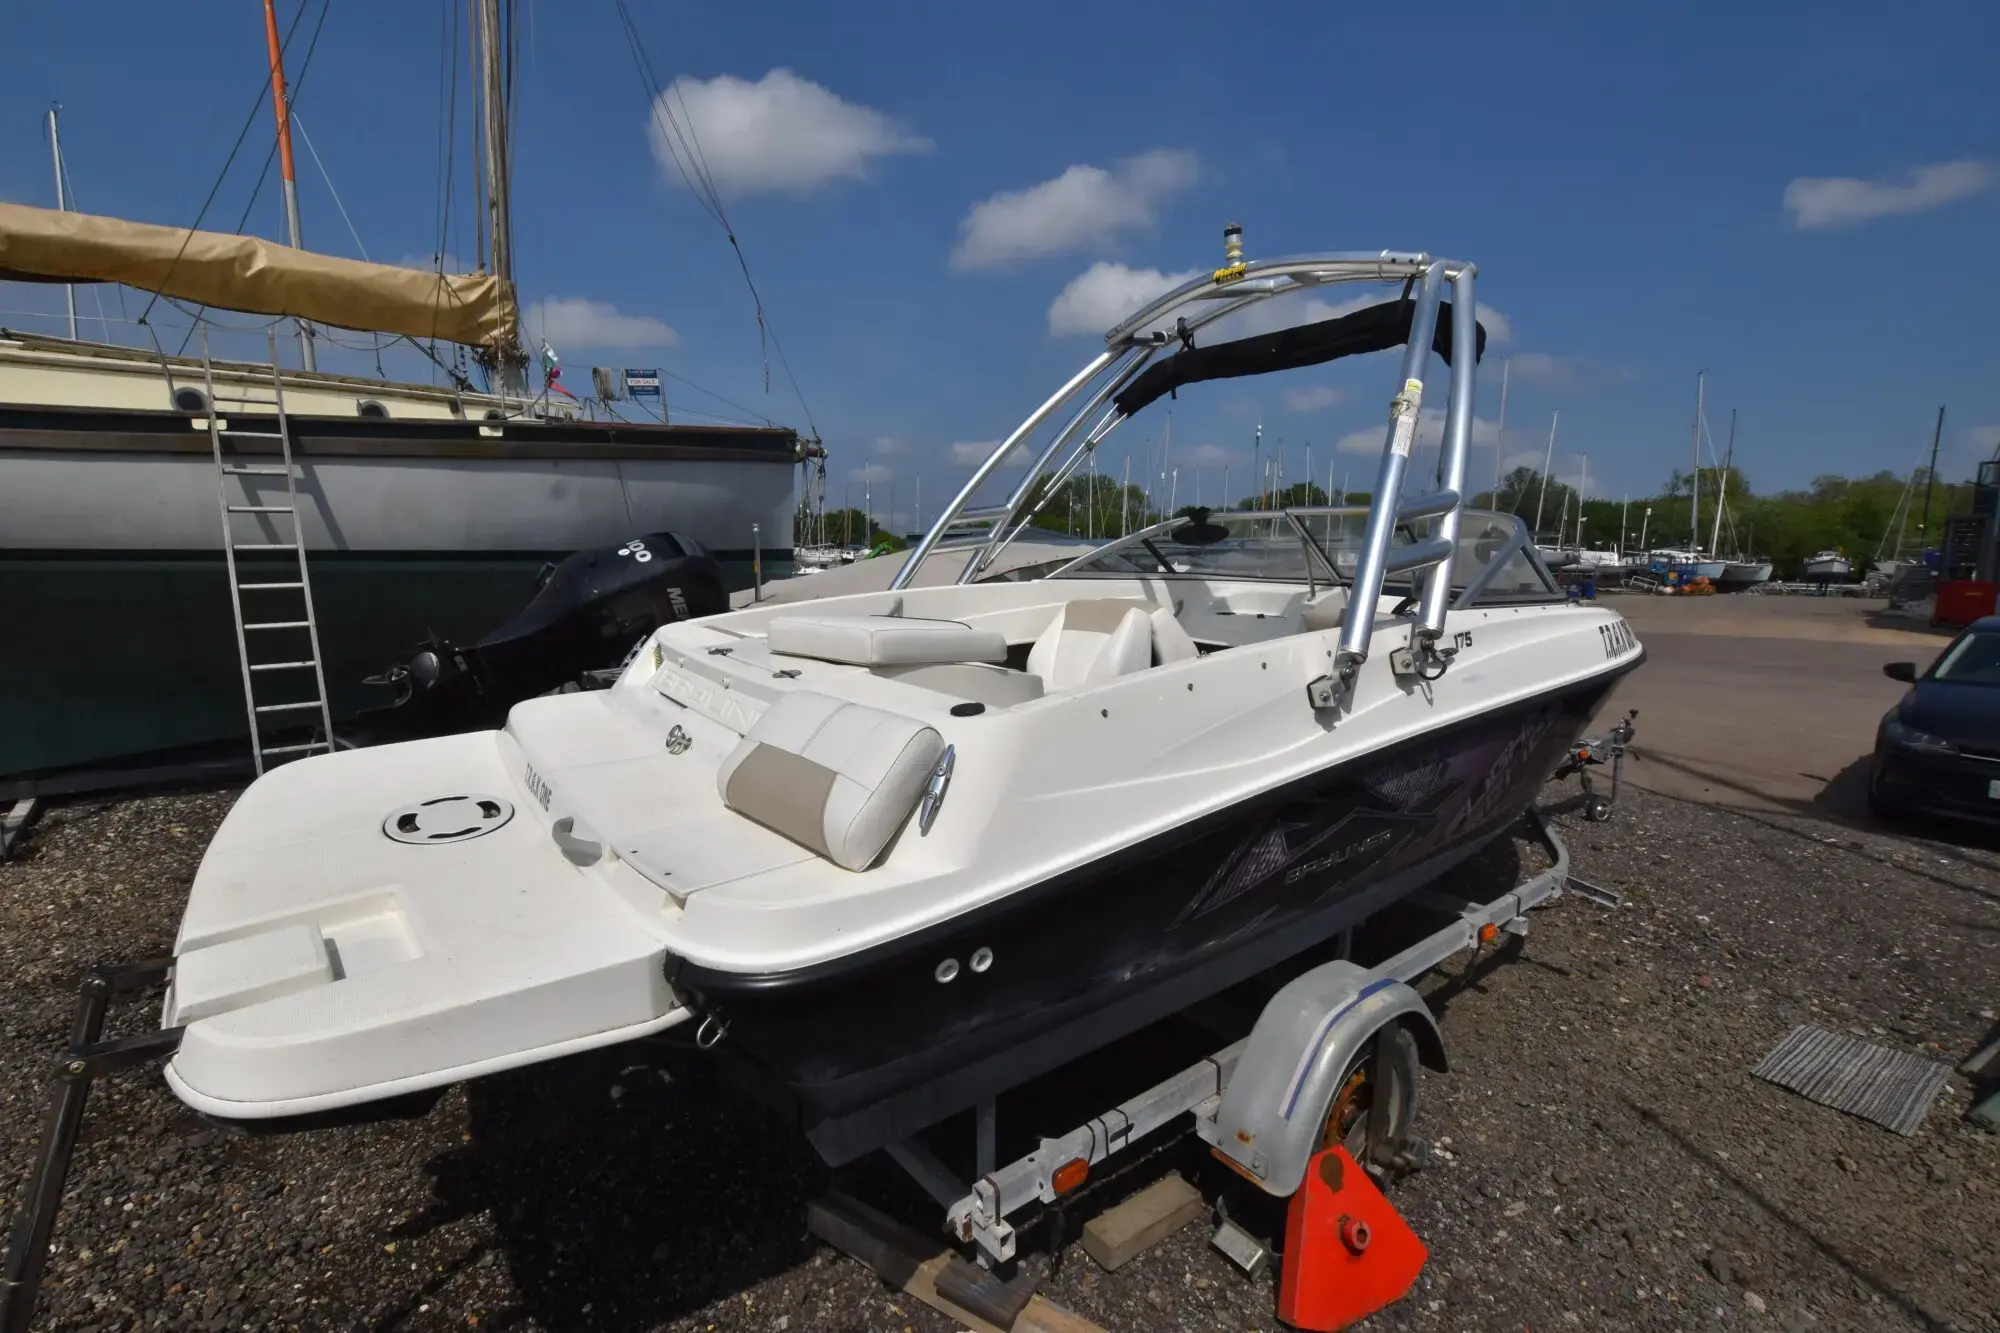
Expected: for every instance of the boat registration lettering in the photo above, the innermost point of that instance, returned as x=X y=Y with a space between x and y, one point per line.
x=1618 y=638
x=538 y=787
x=1332 y=859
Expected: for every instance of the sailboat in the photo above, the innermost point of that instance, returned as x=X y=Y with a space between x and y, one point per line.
x=423 y=509
x=105 y=448
x=1744 y=571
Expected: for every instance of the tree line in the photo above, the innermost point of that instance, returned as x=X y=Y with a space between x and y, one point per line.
x=1857 y=516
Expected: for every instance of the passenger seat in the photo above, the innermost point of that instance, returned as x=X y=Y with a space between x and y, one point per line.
x=1091 y=640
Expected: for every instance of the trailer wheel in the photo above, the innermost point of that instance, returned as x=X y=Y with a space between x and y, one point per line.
x=1381 y=1082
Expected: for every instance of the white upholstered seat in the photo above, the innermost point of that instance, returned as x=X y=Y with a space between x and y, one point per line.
x=1092 y=639
x=884 y=640
x=835 y=777
x=1171 y=643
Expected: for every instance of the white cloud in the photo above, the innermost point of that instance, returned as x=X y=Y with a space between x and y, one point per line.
x=1499 y=328
x=573 y=321
x=1543 y=368
x=1839 y=201
x=1524 y=458
x=1316 y=398
x=870 y=472
x=889 y=444
x=1103 y=294
x=971 y=453
x=1082 y=207
x=1208 y=455
x=779 y=134
x=1430 y=429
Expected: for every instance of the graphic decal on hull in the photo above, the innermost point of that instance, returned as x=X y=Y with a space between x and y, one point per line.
x=1403 y=804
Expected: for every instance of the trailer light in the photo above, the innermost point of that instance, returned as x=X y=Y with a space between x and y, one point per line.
x=1069 y=1175
x=1488 y=932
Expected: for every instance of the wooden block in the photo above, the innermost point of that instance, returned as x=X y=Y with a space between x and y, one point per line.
x=913 y=1263
x=1045 y=1316
x=1119 y=1235
x=870 y=1235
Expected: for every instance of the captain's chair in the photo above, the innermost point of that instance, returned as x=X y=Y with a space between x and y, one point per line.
x=1090 y=640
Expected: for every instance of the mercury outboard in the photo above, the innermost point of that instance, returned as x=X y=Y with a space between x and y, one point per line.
x=589 y=611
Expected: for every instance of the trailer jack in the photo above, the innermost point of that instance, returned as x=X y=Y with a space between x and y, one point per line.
x=87 y=1060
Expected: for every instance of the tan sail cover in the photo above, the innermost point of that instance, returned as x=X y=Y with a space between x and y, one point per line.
x=259 y=276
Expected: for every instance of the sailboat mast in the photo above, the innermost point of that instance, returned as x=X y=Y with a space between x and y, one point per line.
x=1694 y=484
x=1582 y=488
x=510 y=361
x=283 y=109
x=62 y=206
x=1722 y=486
x=1548 y=461
x=1930 y=478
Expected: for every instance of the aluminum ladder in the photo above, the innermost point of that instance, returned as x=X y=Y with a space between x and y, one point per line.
x=271 y=596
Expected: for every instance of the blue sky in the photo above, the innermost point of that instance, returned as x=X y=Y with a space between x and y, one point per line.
x=1799 y=199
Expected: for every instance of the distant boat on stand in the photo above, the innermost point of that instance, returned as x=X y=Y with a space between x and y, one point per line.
x=1829 y=567
x=1739 y=575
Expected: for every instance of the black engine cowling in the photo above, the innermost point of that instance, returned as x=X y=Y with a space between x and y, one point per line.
x=591 y=610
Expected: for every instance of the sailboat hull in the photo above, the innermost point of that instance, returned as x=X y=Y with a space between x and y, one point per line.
x=91 y=481
x=873 y=1046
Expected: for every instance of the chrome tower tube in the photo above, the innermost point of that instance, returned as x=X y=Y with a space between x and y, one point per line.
x=993 y=461
x=1404 y=413
x=1457 y=441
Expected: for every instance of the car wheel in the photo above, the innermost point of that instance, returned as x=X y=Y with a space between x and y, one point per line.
x=1880 y=804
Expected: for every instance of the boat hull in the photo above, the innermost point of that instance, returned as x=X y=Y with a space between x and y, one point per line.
x=876 y=1045
x=97 y=481
x=1746 y=574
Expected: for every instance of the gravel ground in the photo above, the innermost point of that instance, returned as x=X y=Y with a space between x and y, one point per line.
x=1603 y=1158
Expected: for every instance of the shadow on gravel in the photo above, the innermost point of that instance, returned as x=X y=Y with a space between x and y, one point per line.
x=1777 y=1213
x=624 y=1188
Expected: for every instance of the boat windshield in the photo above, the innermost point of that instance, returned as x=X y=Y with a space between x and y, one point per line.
x=1494 y=560
x=1973 y=660
x=1250 y=545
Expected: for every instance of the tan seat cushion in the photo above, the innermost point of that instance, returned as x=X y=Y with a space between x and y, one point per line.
x=884 y=640
x=838 y=778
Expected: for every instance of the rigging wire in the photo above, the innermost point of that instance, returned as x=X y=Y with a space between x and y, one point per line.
x=323 y=174
x=678 y=133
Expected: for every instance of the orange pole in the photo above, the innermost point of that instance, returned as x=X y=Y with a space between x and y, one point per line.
x=278 y=92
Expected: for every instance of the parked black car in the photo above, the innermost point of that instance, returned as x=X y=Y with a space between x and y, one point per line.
x=1937 y=751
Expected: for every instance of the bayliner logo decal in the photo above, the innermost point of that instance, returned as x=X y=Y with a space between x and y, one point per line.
x=1618 y=638
x=1334 y=858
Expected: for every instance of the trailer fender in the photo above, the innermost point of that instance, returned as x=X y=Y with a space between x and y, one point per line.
x=1269 y=1119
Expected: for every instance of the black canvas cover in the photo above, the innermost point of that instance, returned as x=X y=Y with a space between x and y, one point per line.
x=1374 y=329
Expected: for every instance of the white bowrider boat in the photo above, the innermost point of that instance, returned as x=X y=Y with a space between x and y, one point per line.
x=894 y=851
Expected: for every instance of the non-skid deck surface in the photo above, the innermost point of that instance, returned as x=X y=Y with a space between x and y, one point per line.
x=1892 y=1088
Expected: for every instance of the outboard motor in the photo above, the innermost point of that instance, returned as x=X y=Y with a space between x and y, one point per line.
x=591 y=610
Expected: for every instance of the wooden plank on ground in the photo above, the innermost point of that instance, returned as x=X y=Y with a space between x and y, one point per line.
x=1119 y=1235
x=912 y=1263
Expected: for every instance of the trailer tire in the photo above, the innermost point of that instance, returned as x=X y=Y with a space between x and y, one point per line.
x=1381 y=1079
